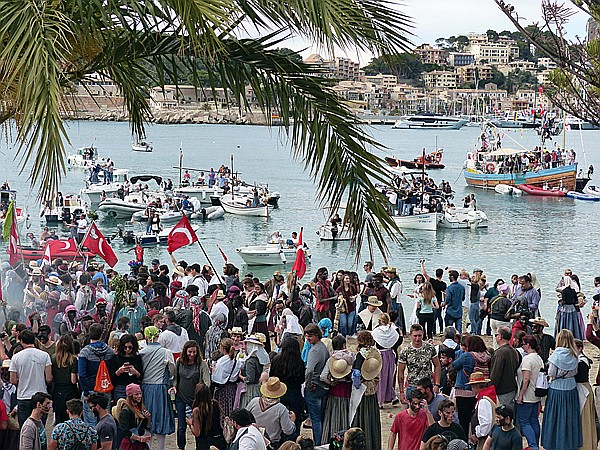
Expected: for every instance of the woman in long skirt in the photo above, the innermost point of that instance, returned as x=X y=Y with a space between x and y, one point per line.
x=561 y=428
x=588 y=411
x=158 y=376
x=337 y=373
x=257 y=358
x=368 y=361
x=387 y=340
x=567 y=316
x=225 y=377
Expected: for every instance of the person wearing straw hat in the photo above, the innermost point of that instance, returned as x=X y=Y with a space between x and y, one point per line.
x=366 y=369
x=546 y=342
x=482 y=419
x=337 y=374
x=254 y=363
x=237 y=335
x=368 y=318
x=270 y=413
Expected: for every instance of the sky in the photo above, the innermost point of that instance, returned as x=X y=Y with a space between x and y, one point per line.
x=444 y=18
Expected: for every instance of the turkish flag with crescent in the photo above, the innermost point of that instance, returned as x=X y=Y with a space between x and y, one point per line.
x=97 y=243
x=181 y=235
x=58 y=246
x=300 y=263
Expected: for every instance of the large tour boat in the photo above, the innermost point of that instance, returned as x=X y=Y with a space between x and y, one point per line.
x=429 y=122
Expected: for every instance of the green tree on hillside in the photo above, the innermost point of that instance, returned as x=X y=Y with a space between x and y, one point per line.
x=46 y=46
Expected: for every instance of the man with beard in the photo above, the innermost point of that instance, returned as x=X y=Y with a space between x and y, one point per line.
x=174 y=336
x=382 y=293
x=134 y=313
x=409 y=425
x=106 y=426
x=546 y=342
x=395 y=287
x=101 y=315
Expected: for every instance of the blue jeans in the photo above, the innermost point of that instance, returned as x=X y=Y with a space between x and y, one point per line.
x=438 y=320
x=181 y=424
x=528 y=417
x=456 y=322
x=474 y=318
x=88 y=416
x=348 y=323
x=315 y=404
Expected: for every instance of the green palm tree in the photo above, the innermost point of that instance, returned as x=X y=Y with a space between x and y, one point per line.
x=48 y=45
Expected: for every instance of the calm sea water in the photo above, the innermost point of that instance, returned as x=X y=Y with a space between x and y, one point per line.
x=526 y=234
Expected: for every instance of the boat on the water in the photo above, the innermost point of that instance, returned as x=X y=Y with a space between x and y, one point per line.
x=73 y=207
x=542 y=191
x=141 y=146
x=271 y=254
x=242 y=206
x=329 y=232
x=419 y=220
x=592 y=190
x=507 y=189
x=517 y=119
x=6 y=196
x=95 y=191
x=583 y=196
x=465 y=218
x=429 y=121
x=432 y=160
x=34 y=254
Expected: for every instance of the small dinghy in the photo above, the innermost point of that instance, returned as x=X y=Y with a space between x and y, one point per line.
x=592 y=190
x=583 y=196
x=507 y=189
x=536 y=190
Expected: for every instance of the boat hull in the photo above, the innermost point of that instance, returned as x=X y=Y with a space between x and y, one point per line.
x=413 y=164
x=266 y=255
x=30 y=254
x=583 y=196
x=325 y=233
x=120 y=209
x=558 y=177
x=462 y=218
x=426 y=221
x=535 y=190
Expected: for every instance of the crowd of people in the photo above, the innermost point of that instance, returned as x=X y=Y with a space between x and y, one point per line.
x=125 y=360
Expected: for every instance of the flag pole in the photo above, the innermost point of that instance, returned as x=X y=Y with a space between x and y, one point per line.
x=211 y=264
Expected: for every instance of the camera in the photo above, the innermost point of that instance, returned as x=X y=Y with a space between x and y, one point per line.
x=3 y=335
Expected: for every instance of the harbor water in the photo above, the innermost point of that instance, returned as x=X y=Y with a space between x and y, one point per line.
x=526 y=234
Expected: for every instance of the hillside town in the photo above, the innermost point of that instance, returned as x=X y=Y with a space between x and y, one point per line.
x=476 y=74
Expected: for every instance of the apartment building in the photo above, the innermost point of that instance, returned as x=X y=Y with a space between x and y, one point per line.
x=387 y=81
x=432 y=55
x=458 y=59
x=472 y=73
x=337 y=68
x=547 y=63
x=525 y=66
x=440 y=79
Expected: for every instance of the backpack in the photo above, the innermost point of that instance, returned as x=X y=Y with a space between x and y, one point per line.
x=103 y=382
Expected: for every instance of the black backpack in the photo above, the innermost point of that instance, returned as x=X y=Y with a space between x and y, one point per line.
x=78 y=445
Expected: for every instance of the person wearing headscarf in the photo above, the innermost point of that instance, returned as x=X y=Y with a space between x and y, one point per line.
x=70 y=320
x=561 y=427
x=257 y=310
x=567 y=316
x=387 y=340
x=159 y=376
x=254 y=364
x=288 y=326
x=200 y=322
x=214 y=335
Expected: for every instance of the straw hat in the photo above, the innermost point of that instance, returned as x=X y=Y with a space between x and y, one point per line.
x=390 y=270
x=539 y=321
x=179 y=271
x=53 y=279
x=254 y=339
x=372 y=365
x=33 y=265
x=36 y=272
x=220 y=295
x=236 y=331
x=339 y=368
x=6 y=364
x=478 y=378
x=273 y=388
x=374 y=301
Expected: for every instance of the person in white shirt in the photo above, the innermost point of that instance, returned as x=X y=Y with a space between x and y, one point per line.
x=484 y=408
x=197 y=279
x=173 y=337
x=82 y=225
x=247 y=436
x=30 y=370
x=218 y=307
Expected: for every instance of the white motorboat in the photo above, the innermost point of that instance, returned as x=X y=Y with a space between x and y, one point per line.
x=507 y=189
x=269 y=254
x=242 y=206
x=73 y=207
x=132 y=237
x=141 y=146
x=168 y=215
x=427 y=221
x=6 y=195
x=209 y=213
x=124 y=208
x=429 y=122
x=463 y=218
x=85 y=158
x=95 y=191
x=202 y=192
x=592 y=190
x=327 y=232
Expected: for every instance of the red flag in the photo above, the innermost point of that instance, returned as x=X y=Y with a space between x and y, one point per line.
x=181 y=235
x=222 y=253
x=14 y=240
x=57 y=247
x=97 y=243
x=300 y=264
